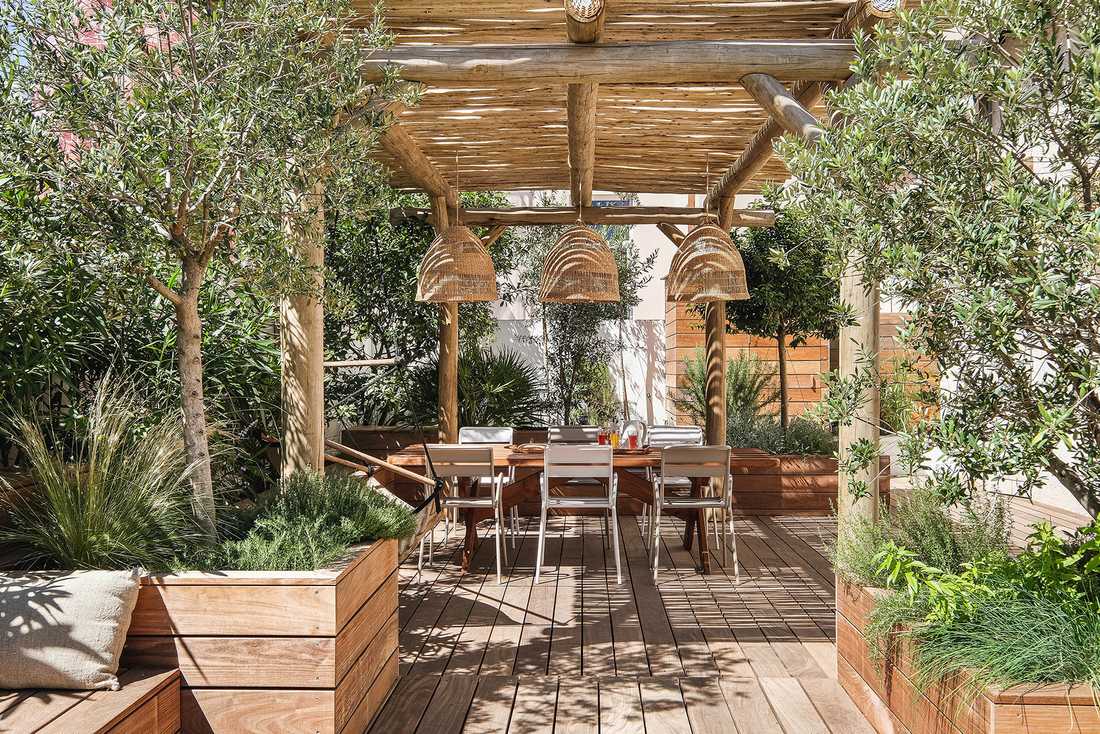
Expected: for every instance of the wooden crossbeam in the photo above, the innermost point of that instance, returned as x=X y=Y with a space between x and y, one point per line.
x=407 y=154
x=493 y=235
x=862 y=15
x=584 y=23
x=783 y=107
x=668 y=62
x=584 y=20
x=672 y=232
x=621 y=215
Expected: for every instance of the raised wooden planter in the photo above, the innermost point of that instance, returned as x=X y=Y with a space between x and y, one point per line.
x=787 y=484
x=275 y=651
x=892 y=703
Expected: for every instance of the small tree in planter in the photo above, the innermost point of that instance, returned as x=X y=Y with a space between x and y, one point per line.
x=791 y=295
x=164 y=136
x=965 y=182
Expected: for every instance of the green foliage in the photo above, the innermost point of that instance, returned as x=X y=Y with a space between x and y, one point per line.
x=573 y=340
x=372 y=311
x=965 y=183
x=597 y=402
x=310 y=523
x=169 y=153
x=748 y=387
x=791 y=295
x=765 y=432
x=123 y=500
x=65 y=324
x=495 y=388
x=1032 y=618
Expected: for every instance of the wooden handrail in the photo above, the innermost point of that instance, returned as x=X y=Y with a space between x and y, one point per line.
x=400 y=471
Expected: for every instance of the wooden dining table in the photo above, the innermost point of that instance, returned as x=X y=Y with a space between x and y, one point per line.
x=523 y=486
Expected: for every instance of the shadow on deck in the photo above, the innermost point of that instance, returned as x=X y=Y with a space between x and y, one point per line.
x=579 y=652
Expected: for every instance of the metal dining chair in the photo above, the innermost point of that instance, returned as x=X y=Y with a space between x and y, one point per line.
x=579 y=462
x=475 y=463
x=573 y=434
x=494 y=436
x=693 y=462
x=658 y=437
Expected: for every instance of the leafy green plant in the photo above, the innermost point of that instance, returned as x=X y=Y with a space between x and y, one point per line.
x=495 y=388
x=123 y=500
x=792 y=296
x=310 y=523
x=766 y=432
x=965 y=185
x=748 y=387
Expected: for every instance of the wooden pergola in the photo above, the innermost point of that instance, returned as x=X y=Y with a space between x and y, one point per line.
x=643 y=96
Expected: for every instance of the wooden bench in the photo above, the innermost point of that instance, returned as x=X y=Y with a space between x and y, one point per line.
x=147 y=703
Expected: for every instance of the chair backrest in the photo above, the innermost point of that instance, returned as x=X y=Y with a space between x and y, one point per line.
x=565 y=460
x=696 y=461
x=485 y=434
x=661 y=436
x=636 y=427
x=451 y=460
x=573 y=434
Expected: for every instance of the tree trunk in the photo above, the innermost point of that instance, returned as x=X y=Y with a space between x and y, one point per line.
x=189 y=358
x=784 y=402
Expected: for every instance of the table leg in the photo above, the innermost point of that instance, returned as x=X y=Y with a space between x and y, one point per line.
x=469 y=542
x=704 y=542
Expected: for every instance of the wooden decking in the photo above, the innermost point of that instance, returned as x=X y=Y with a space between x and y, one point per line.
x=580 y=653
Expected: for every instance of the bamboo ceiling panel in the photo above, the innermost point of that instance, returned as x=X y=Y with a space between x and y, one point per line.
x=456 y=22
x=649 y=139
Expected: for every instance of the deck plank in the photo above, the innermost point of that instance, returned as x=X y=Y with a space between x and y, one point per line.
x=578 y=706
x=749 y=706
x=565 y=638
x=491 y=708
x=533 y=649
x=706 y=706
x=792 y=706
x=446 y=714
x=535 y=705
x=835 y=707
x=663 y=706
x=620 y=706
x=406 y=705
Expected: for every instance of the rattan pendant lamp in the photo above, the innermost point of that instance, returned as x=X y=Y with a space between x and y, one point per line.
x=707 y=266
x=580 y=268
x=457 y=268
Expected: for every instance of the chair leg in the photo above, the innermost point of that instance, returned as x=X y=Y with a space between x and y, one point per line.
x=498 y=541
x=606 y=529
x=733 y=540
x=502 y=531
x=431 y=547
x=615 y=542
x=420 y=556
x=656 y=539
x=645 y=522
x=715 y=522
x=542 y=543
x=514 y=518
x=724 y=525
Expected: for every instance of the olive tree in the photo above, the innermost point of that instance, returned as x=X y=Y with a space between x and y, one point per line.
x=964 y=180
x=164 y=136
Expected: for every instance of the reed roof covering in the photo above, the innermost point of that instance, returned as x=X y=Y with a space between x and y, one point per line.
x=649 y=138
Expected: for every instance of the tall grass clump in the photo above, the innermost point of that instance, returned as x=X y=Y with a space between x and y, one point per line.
x=311 y=522
x=120 y=499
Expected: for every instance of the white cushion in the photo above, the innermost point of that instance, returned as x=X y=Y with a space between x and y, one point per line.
x=64 y=630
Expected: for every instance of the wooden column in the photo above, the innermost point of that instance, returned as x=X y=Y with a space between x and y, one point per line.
x=301 y=321
x=716 y=372
x=859 y=346
x=448 y=349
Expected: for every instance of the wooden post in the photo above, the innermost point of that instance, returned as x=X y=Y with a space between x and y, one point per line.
x=783 y=107
x=448 y=348
x=858 y=344
x=302 y=336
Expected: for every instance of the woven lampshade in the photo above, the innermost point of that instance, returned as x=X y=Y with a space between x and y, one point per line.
x=706 y=267
x=579 y=269
x=456 y=268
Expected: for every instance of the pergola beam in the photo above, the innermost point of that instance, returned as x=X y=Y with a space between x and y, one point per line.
x=672 y=232
x=408 y=156
x=668 y=62
x=622 y=215
x=584 y=20
x=783 y=106
x=862 y=15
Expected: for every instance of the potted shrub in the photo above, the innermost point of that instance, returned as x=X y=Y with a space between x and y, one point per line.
x=289 y=618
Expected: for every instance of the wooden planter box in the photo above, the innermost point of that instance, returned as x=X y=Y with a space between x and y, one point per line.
x=788 y=484
x=892 y=703
x=277 y=651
